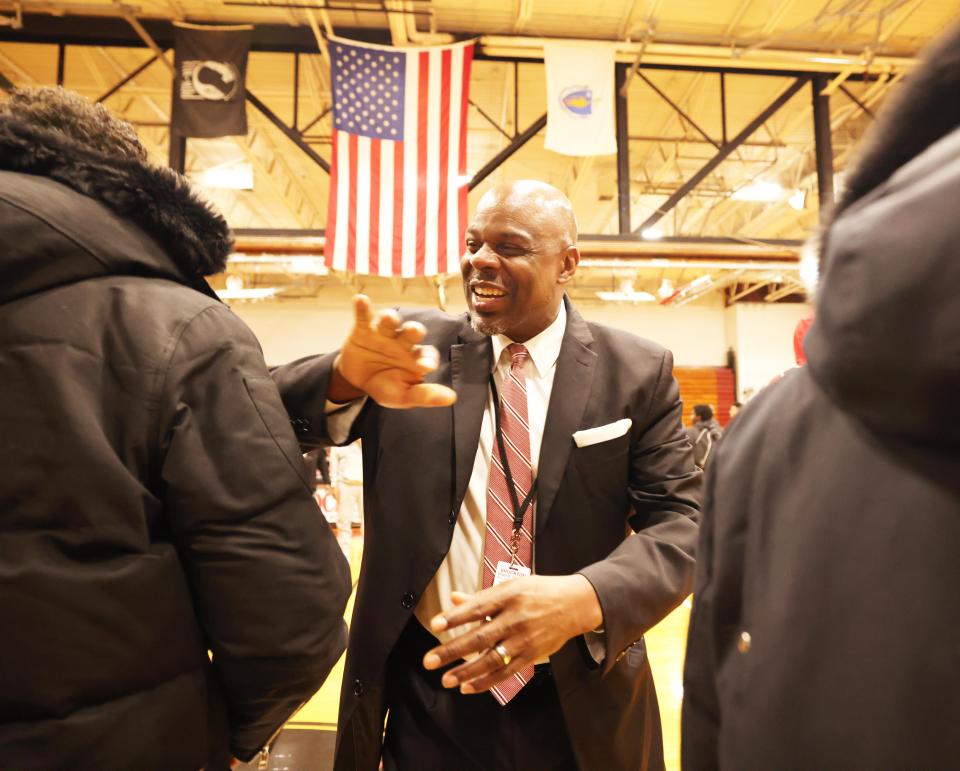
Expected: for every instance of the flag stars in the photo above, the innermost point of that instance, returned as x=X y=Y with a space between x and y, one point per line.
x=369 y=86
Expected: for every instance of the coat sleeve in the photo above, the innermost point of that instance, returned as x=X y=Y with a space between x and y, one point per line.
x=303 y=388
x=651 y=572
x=269 y=582
x=700 y=714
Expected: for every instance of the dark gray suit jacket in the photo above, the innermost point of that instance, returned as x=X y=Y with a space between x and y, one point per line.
x=417 y=464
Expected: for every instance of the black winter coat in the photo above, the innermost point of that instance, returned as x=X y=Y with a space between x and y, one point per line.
x=153 y=504
x=826 y=621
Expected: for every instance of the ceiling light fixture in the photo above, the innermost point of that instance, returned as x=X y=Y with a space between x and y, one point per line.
x=666 y=289
x=651 y=234
x=759 y=191
x=227 y=176
x=626 y=294
x=626 y=297
x=798 y=200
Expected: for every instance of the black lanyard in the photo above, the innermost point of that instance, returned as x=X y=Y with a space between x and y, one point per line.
x=519 y=509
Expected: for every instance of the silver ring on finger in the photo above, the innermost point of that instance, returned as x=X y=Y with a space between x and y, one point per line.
x=505 y=657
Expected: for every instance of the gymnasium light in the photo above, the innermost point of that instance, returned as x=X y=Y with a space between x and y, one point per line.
x=227 y=176
x=651 y=234
x=759 y=191
x=626 y=297
x=798 y=200
x=626 y=294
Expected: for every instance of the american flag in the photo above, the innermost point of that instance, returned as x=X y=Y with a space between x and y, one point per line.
x=398 y=185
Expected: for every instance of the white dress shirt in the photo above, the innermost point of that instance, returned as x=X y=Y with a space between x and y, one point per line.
x=462 y=568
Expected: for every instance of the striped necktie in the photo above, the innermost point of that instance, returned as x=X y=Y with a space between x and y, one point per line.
x=500 y=515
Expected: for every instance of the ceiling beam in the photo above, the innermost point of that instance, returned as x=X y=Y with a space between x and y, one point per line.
x=722 y=154
x=112 y=29
x=519 y=141
x=719 y=57
x=291 y=134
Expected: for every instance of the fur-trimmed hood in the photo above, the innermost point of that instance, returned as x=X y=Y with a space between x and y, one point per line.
x=160 y=202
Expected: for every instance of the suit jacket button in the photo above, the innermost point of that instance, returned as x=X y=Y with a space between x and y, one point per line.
x=357 y=688
x=452 y=519
x=743 y=642
x=407 y=600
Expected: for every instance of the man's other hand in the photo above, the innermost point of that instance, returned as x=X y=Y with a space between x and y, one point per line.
x=382 y=359
x=530 y=617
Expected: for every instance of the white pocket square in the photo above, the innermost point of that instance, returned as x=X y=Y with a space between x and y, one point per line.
x=588 y=436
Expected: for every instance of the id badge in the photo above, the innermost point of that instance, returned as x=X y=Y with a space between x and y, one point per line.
x=507 y=572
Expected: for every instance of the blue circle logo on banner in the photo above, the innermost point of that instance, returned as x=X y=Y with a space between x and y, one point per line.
x=577 y=100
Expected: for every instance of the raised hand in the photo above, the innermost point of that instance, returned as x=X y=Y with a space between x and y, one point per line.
x=382 y=359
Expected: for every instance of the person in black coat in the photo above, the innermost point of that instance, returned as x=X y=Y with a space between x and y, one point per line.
x=826 y=622
x=169 y=591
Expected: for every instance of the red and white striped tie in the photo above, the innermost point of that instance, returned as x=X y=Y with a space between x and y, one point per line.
x=496 y=547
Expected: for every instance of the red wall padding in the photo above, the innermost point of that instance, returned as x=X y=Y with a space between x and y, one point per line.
x=706 y=385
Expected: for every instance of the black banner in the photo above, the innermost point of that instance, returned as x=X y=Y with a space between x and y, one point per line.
x=209 y=88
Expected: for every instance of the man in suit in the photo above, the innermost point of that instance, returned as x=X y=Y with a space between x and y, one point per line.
x=563 y=456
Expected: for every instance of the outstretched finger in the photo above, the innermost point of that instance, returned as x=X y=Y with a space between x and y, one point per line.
x=427 y=358
x=362 y=312
x=499 y=673
x=386 y=322
x=488 y=602
x=411 y=332
x=487 y=664
x=468 y=645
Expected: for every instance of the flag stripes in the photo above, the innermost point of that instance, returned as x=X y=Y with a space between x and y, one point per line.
x=397 y=206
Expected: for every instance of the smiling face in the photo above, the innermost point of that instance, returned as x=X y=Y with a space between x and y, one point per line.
x=520 y=253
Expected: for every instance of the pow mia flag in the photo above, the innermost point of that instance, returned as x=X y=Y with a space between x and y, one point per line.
x=209 y=89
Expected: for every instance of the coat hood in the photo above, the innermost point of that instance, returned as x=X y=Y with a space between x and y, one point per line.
x=885 y=345
x=139 y=198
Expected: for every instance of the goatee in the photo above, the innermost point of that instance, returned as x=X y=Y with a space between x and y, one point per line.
x=488 y=327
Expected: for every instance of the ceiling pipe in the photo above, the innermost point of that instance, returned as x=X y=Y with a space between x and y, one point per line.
x=598 y=253
x=710 y=55
x=432 y=37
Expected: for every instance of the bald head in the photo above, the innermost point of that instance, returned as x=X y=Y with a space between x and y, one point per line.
x=536 y=202
x=520 y=254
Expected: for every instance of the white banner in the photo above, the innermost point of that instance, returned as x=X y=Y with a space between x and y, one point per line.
x=580 y=98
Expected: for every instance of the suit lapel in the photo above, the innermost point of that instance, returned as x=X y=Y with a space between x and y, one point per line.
x=568 y=399
x=470 y=363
